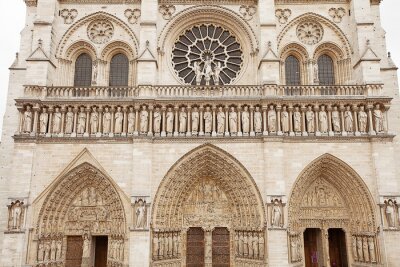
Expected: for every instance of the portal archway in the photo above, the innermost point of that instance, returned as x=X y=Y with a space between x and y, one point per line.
x=208 y=190
x=329 y=196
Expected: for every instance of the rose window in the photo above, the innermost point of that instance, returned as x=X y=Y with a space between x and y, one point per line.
x=310 y=32
x=100 y=31
x=207 y=55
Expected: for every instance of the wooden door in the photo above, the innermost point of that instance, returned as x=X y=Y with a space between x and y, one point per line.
x=312 y=248
x=195 y=247
x=73 y=257
x=337 y=248
x=100 y=259
x=220 y=247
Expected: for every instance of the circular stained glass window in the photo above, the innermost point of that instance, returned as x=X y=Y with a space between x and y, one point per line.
x=207 y=55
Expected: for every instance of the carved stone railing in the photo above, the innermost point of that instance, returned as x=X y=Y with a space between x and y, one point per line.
x=234 y=91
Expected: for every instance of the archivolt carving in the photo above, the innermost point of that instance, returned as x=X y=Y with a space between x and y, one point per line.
x=330 y=48
x=117 y=45
x=296 y=49
x=79 y=47
x=329 y=193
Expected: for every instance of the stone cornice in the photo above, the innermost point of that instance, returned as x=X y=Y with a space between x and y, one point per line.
x=100 y=1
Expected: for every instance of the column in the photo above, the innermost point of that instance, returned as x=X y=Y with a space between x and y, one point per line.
x=189 y=121
x=355 y=120
x=150 y=132
x=75 y=121
x=100 y=130
x=265 y=129
x=330 y=131
x=214 y=131
x=50 y=124
x=251 y=110
x=86 y=134
x=290 y=108
x=239 y=121
x=125 y=122
x=278 y=111
x=316 y=112
x=63 y=111
x=325 y=247
x=35 y=119
x=303 y=120
x=201 y=133
x=112 y=111
x=163 y=124
x=227 y=121
x=176 y=121
x=370 y=123
x=136 y=132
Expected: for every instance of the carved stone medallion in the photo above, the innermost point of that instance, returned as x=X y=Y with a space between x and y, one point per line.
x=100 y=31
x=310 y=32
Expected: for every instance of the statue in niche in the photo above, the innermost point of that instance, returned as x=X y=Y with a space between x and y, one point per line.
x=208 y=72
x=57 y=121
x=59 y=251
x=310 y=119
x=371 y=246
x=69 y=121
x=161 y=246
x=43 y=120
x=285 y=120
x=198 y=72
x=241 y=244
x=208 y=120
x=220 y=121
x=297 y=120
x=255 y=245
x=316 y=73
x=176 y=245
x=360 y=249
x=141 y=215
x=107 y=121
x=379 y=119
x=157 y=120
x=362 y=120
x=16 y=214
x=336 y=119
x=257 y=120
x=246 y=120
x=81 y=121
x=53 y=249
x=195 y=120
x=261 y=245
x=144 y=120
x=354 y=246
x=182 y=120
x=94 y=71
x=46 y=251
x=237 y=244
x=294 y=249
x=365 y=249
x=389 y=211
x=27 y=123
x=217 y=72
x=119 y=119
x=323 y=120
x=86 y=246
x=245 y=245
x=276 y=214
x=271 y=119
x=250 y=244
x=170 y=244
x=348 y=120
x=170 y=120
x=94 y=120
x=40 y=256
x=156 y=247
x=131 y=120
x=233 y=120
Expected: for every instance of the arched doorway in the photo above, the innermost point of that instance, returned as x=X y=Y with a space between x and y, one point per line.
x=331 y=217
x=208 y=212
x=82 y=222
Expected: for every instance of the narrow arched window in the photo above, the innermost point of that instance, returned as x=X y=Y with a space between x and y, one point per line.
x=292 y=71
x=119 y=70
x=83 y=71
x=326 y=73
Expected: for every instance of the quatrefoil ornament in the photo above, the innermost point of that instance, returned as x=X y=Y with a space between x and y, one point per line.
x=247 y=11
x=133 y=15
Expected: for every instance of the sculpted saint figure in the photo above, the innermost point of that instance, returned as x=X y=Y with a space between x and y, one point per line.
x=217 y=71
x=354 y=245
x=106 y=121
x=144 y=120
x=348 y=120
x=119 y=120
x=360 y=249
x=362 y=120
x=285 y=120
x=255 y=246
x=233 y=120
x=86 y=246
x=81 y=121
x=170 y=120
x=53 y=250
x=293 y=250
x=371 y=246
x=16 y=215
x=141 y=215
x=336 y=119
x=161 y=246
x=245 y=245
x=310 y=120
x=170 y=245
x=365 y=249
x=157 y=120
x=44 y=120
x=27 y=124
x=155 y=246
x=323 y=120
x=195 y=120
x=94 y=121
x=389 y=211
x=182 y=120
x=69 y=121
x=41 y=252
x=47 y=251
x=131 y=120
x=246 y=120
x=261 y=245
x=220 y=120
x=241 y=244
x=59 y=246
x=276 y=214
x=207 y=120
x=57 y=121
x=378 y=117
x=208 y=73
x=198 y=72
x=257 y=120
x=272 y=119
x=296 y=120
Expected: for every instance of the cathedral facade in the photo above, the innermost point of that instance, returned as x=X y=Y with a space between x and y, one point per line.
x=193 y=133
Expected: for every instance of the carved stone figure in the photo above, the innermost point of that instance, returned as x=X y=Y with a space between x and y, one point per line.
x=379 y=119
x=106 y=121
x=310 y=119
x=336 y=119
x=360 y=249
x=46 y=251
x=141 y=215
x=27 y=123
x=362 y=120
x=208 y=73
x=195 y=120
x=176 y=245
x=255 y=245
x=389 y=211
x=207 y=120
x=245 y=245
x=348 y=120
x=94 y=121
x=246 y=120
x=144 y=120
x=296 y=120
x=365 y=249
x=170 y=120
x=40 y=256
x=276 y=214
x=16 y=215
x=220 y=121
x=198 y=72
x=119 y=120
x=217 y=71
x=156 y=247
x=272 y=119
x=59 y=250
x=233 y=121
x=261 y=245
x=182 y=120
x=44 y=120
x=81 y=127
x=354 y=246
x=157 y=120
x=131 y=120
x=69 y=121
x=257 y=120
x=86 y=246
x=250 y=245
x=285 y=120
x=57 y=121
x=161 y=246
x=53 y=249
x=293 y=250
x=170 y=244
x=371 y=246
x=323 y=120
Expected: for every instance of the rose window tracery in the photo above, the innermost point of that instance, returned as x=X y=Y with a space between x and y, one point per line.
x=100 y=31
x=310 y=33
x=207 y=55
